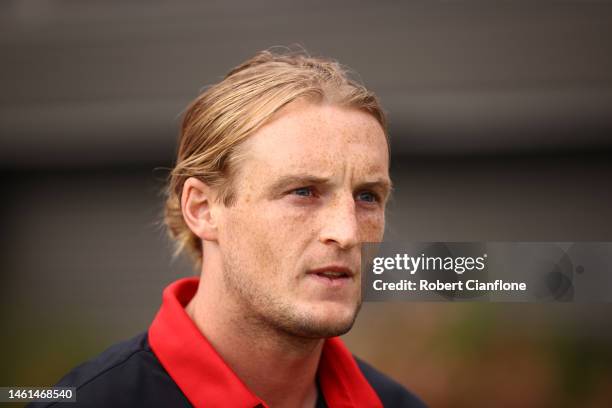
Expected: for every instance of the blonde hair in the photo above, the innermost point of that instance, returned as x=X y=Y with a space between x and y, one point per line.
x=219 y=120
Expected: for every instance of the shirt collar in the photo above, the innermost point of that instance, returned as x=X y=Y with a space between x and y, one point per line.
x=205 y=378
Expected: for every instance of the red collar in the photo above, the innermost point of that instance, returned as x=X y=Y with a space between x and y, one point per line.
x=207 y=380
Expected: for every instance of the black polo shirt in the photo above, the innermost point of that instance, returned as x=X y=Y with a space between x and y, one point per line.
x=174 y=365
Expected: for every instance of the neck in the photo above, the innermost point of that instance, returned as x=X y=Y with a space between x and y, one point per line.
x=278 y=367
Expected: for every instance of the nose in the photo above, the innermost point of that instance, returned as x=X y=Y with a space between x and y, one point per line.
x=339 y=224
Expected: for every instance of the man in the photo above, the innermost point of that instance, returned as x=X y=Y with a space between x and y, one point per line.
x=281 y=174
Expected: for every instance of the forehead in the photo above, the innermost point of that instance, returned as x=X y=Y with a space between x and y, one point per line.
x=305 y=136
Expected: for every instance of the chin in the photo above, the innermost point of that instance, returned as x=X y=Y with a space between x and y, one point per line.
x=325 y=320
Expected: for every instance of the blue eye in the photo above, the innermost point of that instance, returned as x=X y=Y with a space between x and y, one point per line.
x=368 y=196
x=303 y=191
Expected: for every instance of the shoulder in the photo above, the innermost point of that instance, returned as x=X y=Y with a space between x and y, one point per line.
x=390 y=392
x=126 y=374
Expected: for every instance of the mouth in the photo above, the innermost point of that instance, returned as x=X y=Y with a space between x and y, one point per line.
x=333 y=275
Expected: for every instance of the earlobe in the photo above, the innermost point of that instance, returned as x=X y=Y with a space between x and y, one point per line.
x=197 y=202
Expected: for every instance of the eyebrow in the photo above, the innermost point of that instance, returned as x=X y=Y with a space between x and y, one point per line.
x=293 y=179
x=382 y=184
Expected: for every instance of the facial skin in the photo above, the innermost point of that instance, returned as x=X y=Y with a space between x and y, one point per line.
x=311 y=188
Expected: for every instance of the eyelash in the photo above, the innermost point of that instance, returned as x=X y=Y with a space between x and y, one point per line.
x=376 y=197
x=310 y=189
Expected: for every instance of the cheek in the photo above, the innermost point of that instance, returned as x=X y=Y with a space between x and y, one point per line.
x=292 y=219
x=372 y=227
x=258 y=236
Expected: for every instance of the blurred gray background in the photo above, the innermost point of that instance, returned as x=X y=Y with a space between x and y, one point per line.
x=501 y=126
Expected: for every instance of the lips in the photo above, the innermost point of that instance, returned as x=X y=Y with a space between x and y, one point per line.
x=332 y=272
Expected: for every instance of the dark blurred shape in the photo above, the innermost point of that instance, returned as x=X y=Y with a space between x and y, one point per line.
x=103 y=82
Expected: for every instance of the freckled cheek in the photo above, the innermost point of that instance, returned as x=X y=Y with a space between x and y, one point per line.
x=372 y=227
x=285 y=226
x=252 y=240
x=287 y=212
x=282 y=246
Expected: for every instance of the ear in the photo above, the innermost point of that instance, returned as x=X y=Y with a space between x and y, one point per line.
x=197 y=205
